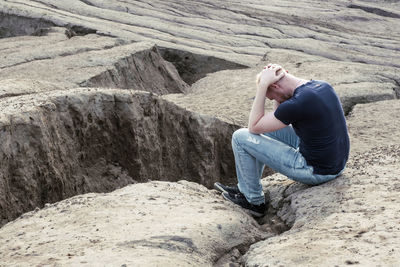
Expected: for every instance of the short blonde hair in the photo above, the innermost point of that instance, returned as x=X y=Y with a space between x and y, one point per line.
x=259 y=76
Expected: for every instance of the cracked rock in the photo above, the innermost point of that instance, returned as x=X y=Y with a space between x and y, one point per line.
x=124 y=227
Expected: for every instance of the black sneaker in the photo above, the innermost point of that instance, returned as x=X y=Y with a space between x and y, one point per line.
x=240 y=199
x=227 y=189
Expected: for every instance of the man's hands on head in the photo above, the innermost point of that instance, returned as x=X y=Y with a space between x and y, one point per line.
x=259 y=122
x=269 y=75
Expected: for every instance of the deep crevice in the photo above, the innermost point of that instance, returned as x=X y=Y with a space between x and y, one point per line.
x=76 y=30
x=144 y=70
x=96 y=142
x=192 y=67
x=396 y=89
x=375 y=10
x=350 y=102
x=279 y=218
x=14 y=25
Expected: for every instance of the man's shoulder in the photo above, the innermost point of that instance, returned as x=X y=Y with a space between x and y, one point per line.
x=313 y=89
x=314 y=84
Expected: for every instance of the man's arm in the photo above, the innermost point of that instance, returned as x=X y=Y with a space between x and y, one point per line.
x=267 y=123
x=258 y=121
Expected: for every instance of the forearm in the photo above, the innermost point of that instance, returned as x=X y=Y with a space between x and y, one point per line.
x=257 y=110
x=271 y=74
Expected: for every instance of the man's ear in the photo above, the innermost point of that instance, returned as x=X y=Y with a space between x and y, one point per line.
x=273 y=86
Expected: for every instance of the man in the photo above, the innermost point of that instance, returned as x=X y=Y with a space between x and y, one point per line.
x=304 y=138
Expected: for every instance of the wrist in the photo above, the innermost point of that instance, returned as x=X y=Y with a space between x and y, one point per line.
x=263 y=87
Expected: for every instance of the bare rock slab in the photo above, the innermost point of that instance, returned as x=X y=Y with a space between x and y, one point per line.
x=152 y=224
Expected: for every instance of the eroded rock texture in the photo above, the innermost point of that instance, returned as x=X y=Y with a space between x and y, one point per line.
x=351 y=220
x=57 y=144
x=150 y=224
x=88 y=61
x=60 y=144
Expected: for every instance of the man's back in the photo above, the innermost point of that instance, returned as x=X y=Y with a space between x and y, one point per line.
x=316 y=114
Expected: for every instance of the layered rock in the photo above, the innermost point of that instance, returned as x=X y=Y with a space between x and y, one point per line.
x=242 y=31
x=59 y=144
x=88 y=61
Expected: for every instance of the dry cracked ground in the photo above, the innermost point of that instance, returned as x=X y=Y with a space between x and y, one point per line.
x=116 y=119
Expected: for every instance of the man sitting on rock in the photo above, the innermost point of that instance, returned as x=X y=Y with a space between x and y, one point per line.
x=304 y=138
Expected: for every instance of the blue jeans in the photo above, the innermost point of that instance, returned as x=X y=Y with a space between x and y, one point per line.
x=279 y=150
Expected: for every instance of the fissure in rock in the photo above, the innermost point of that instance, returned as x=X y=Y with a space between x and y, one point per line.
x=192 y=67
x=13 y=25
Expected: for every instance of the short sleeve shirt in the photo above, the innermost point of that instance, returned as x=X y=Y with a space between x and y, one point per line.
x=317 y=117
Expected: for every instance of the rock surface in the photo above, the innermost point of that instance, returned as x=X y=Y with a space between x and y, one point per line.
x=57 y=143
x=351 y=220
x=374 y=125
x=243 y=30
x=139 y=225
x=88 y=61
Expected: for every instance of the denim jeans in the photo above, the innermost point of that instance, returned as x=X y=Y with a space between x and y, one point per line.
x=279 y=150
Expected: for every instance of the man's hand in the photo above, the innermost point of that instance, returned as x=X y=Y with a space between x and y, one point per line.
x=269 y=75
x=259 y=122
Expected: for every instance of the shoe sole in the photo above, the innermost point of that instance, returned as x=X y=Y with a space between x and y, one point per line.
x=254 y=213
x=218 y=187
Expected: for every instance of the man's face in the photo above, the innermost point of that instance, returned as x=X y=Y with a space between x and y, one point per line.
x=277 y=93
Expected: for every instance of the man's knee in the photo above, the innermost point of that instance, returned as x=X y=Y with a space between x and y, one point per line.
x=240 y=135
x=243 y=137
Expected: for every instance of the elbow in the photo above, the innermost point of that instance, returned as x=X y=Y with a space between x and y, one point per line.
x=254 y=129
x=250 y=128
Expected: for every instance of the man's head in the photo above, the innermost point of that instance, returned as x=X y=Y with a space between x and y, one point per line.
x=279 y=90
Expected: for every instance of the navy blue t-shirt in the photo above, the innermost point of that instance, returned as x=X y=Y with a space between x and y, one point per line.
x=317 y=117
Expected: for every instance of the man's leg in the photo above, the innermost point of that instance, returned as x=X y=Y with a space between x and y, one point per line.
x=278 y=150
x=286 y=135
x=303 y=174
